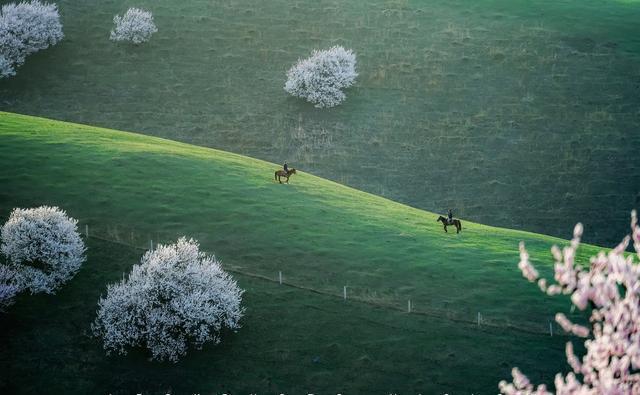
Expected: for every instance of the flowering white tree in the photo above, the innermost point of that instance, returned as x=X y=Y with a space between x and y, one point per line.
x=26 y=28
x=320 y=78
x=6 y=67
x=8 y=287
x=610 y=287
x=42 y=247
x=177 y=295
x=136 y=25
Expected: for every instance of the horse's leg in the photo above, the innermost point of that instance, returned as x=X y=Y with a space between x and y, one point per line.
x=445 y=229
x=279 y=180
x=287 y=180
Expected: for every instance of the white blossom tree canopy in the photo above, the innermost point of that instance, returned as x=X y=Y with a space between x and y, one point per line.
x=321 y=77
x=136 y=25
x=42 y=247
x=610 y=287
x=175 y=297
x=26 y=28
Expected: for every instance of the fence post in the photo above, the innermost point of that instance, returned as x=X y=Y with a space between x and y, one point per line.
x=409 y=306
x=86 y=230
x=280 y=277
x=344 y=292
x=151 y=245
x=550 y=328
x=478 y=319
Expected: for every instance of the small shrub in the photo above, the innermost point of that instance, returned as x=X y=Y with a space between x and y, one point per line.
x=135 y=25
x=320 y=78
x=177 y=295
x=42 y=247
x=25 y=29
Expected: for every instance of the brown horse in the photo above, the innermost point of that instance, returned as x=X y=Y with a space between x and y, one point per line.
x=455 y=222
x=286 y=174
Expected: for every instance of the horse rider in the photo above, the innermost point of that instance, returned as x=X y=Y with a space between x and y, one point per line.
x=450 y=216
x=286 y=168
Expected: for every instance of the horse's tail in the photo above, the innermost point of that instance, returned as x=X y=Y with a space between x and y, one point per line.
x=275 y=175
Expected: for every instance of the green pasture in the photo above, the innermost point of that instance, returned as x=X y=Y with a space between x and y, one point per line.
x=299 y=336
x=515 y=113
x=291 y=342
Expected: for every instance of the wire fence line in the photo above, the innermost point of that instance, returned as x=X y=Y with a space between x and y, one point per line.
x=545 y=326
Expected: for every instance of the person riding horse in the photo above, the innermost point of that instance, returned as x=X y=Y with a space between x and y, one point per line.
x=449 y=220
x=286 y=173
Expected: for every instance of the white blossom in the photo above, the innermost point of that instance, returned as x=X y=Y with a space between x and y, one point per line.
x=6 y=67
x=321 y=78
x=136 y=25
x=43 y=247
x=611 y=288
x=8 y=286
x=26 y=28
x=176 y=296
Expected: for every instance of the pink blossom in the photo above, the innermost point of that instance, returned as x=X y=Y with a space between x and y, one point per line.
x=611 y=287
x=525 y=266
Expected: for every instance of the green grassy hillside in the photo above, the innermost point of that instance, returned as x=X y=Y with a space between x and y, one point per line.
x=459 y=103
x=131 y=188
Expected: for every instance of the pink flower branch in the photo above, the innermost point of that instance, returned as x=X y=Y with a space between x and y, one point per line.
x=611 y=287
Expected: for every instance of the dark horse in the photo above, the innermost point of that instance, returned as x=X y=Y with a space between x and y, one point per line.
x=286 y=174
x=455 y=222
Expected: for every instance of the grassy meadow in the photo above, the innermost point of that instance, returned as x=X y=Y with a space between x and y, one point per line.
x=299 y=336
x=515 y=113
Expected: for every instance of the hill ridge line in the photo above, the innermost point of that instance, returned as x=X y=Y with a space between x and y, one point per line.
x=245 y=158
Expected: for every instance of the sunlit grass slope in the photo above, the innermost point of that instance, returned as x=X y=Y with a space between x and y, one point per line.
x=322 y=236
x=458 y=103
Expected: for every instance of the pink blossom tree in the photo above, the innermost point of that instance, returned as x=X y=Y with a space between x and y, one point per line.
x=610 y=287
